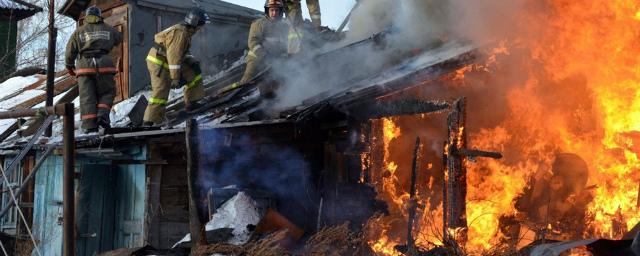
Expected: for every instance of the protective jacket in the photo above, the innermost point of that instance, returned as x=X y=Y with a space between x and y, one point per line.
x=267 y=39
x=88 y=49
x=169 y=60
x=172 y=46
x=88 y=54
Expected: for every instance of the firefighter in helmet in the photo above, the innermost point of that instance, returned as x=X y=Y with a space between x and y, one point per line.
x=170 y=66
x=87 y=57
x=267 y=39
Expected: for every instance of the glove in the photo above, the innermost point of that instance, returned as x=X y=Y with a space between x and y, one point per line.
x=71 y=71
x=175 y=84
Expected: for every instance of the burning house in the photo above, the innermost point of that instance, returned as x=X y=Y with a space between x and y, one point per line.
x=428 y=134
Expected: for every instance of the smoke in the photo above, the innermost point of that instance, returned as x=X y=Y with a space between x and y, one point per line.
x=246 y=164
x=408 y=26
x=414 y=21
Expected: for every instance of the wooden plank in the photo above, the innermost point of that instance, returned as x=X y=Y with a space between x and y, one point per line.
x=34 y=123
x=59 y=88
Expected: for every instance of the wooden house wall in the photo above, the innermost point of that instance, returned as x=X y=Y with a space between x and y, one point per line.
x=110 y=206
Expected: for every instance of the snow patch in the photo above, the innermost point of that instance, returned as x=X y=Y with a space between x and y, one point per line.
x=237 y=213
x=16 y=84
x=119 y=113
x=20 y=98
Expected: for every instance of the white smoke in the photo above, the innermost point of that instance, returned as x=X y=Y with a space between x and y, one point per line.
x=415 y=21
x=412 y=24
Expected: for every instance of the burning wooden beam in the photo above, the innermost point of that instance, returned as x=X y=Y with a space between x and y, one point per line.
x=413 y=204
x=455 y=178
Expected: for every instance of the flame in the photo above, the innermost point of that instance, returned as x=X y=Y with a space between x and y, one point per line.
x=388 y=190
x=571 y=77
x=584 y=48
x=391 y=230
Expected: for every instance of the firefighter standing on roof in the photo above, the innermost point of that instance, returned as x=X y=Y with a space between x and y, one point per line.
x=170 y=66
x=87 y=56
x=294 y=12
x=294 y=17
x=267 y=39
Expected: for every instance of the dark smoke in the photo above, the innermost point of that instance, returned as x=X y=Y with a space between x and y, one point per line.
x=247 y=164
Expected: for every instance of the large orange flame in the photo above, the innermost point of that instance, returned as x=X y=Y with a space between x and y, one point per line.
x=576 y=90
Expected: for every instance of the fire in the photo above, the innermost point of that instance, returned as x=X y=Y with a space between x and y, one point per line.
x=391 y=230
x=390 y=192
x=585 y=51
x=567 y=82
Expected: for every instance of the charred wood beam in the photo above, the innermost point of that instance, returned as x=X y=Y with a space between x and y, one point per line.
x=422 y=76
x=411 y=243
x=478 y=153
x=379 y=109
x=196 y=227
x=455 y=224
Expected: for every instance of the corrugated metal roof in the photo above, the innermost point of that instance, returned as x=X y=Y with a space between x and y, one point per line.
x=9 y=4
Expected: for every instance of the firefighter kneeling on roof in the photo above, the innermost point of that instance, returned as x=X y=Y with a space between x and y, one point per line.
x=170 y=66
x=95 y=69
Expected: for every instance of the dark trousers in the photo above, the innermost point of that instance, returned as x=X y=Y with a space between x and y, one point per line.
x=96 y=98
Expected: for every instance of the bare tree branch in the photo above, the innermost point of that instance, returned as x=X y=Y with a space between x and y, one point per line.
x=32 y=43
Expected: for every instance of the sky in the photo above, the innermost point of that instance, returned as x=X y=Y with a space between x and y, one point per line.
x=333 y=11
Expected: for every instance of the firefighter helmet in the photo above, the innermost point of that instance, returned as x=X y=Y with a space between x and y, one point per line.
x=93 y=10
x=273 y=4
x=196 y=17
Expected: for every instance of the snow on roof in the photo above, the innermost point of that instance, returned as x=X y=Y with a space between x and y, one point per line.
x=5 y=124
x=56 y=99
x=9 y=4
x=21 y=98
x=15 y=84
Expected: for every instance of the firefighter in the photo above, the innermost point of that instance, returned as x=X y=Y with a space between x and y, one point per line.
x=87 y=57
x=267 y=39
x=294 y=12
x=170 y=66
x=297 y=29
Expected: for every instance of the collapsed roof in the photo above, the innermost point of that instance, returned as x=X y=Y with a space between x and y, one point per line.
x=354 y=95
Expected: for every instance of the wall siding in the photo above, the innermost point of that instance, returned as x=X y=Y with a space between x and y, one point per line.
x=110 y=209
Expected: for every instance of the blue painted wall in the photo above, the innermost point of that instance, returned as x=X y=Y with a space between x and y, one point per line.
x=111 y=205
x=47 y=215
